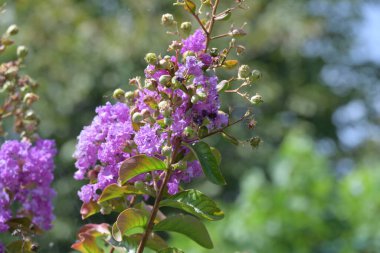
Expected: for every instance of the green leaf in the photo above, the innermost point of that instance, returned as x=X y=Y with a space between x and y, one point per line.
x=90 y=237
x=89 y=209
x=209 y=163
x=137 y=165
x=127 y=220
x=114 y=191
x=186 y=225
x=196 y=203
x=170 y=250
x=190 y=6
x=20 y=246
x=131 y=242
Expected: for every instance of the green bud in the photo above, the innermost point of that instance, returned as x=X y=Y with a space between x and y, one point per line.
x=195 y=98
x=203 y=131
x=202 y=95
x=255 y=75
x=256 y=99
x=163 y=105
x=137 y=117
x=164 y=64
x=165 y=80
x=166 y=151
x=22 y=51
x=176 y=83
x=129 y=95
x=150 y=84
x=188 y=132
x=187 y=54
x=139 y=185
x=119 y=94
x=168 y=121
x=214 y=52
x=181 y=165
x=167 y=19
x=244 y=71
x=186 y=27
x=151 y=58
x=255 y=142
x=12 y=30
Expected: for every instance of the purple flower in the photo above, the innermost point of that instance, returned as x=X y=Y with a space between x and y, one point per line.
x=26 y=172
x=148 y=140
x=195 y=42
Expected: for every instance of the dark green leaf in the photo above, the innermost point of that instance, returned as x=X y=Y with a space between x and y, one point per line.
x=127 y=220
x=187 y=225
x=137 y=165
x=209 y=163
x=196 y=203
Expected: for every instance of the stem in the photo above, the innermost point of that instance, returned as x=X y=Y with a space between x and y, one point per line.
x=220 y=36
x=212 y=22
x=152 y=217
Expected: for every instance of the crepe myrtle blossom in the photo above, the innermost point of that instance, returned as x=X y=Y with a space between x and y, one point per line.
x=26 y=172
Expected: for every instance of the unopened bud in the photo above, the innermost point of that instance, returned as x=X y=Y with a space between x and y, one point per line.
x=168 y=121
x=137 y=117
x=186 y=27
x=255 y=75
x=203 y=131
x=166 y=151
x=244 y=71
x=237 y=32
x=119 y=94
x=164 y=64
x=201 y=94
x=151 y=58
x=12 y=30
x=22 y=51
x=176 y=82
x=255 y=142
x=195 y=98
x=214 y=52
x=165 y=80
x=240 y=49
x=188 y=132
x=30 y=98
x=187 y=54
x=150 y=84
x=256 y=99
x=167 y=19
x=181 y=165
x=129 y=96
x=145 y=113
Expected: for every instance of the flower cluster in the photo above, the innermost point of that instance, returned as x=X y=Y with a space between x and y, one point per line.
x=26 y=172
x=178 y=100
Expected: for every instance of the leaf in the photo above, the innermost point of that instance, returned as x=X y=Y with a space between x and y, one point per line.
x=114 y=191
x=137 y=165
x=217 y=155
x=230 y=138
x=89 y=209
x=230 y=64
x=196 y=203
x=20 y=246
x=154 y=242
x=127 y=220
x=224 y=16
x=88 y=238
x=208 y=162
x=170 y=250
x=190 y=6
x=24 y=225
x=187 y=225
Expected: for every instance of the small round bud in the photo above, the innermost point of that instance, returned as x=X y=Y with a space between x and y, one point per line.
x=186 y=27
x=195 y=98
x=188 y=132
x=165 y=80
x=150 y=84
x=119 y=94
x=256 y=99
x=168 y=121
x=255 y=75
x=166 y=151
x=187 y=54
x=203 y=131
x=255 y=142
x=139 y=185
x=176 y=83
x=145 y=113
x=164 y=64
x=244 y=71
x=137 y=117
x=214 y=52
x=12 y=30
x=30 y=98
x=22 y=51
x=201 y=94
x=167 y=19
x=151 y=58
x=163 y=105
x=129 y=95
x=181 y=165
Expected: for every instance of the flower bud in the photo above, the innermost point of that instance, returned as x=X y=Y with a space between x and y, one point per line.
x=175 y=45
x=137 y=117
x=129 y=96
x=168 y=121
x=119 y=94
x=167 y=19
x=188 y=132
x=151 y=58
x=240 y=49
x=150 y=84
x=214 y=52
x=30 y=98
x=255 y=142
x=163 y=105
x=187 y=54
x=255 y=75
x=201 y=94
x=256 y=99
x=165 y=80
x=181 y=165
x=145 y=113
x=22 y=51
x=186 y=27
x=195 y=98
x=203 y=131
x=244 y=71
x=237 y=32
x=166 y=151
x=164 y=64
x=176 y=83
x=12 y=30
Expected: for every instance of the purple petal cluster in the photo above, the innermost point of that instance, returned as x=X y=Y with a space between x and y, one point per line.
x=112 y=137
x=26 y=172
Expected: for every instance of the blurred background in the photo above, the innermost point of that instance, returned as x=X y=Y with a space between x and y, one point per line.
x=313 y=184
